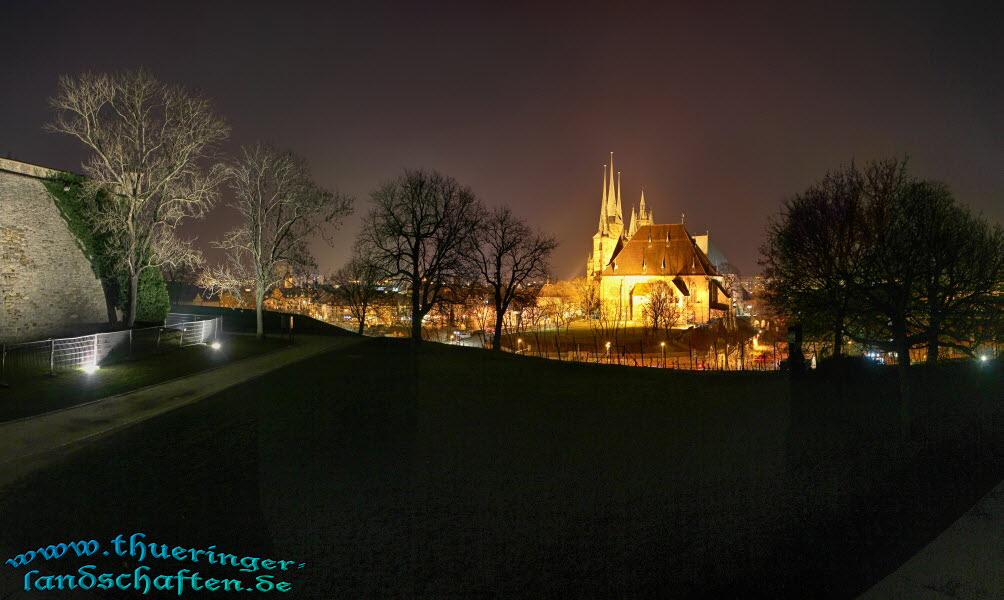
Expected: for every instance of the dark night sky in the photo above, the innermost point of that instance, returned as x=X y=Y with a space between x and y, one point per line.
x=719 y=112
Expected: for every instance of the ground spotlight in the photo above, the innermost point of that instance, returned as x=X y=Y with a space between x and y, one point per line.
x=215 y=345
x=91 y=368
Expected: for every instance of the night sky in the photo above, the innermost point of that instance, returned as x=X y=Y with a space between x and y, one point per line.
x=719 y=112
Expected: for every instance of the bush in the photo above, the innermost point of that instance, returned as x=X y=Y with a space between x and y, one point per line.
x=152 y=300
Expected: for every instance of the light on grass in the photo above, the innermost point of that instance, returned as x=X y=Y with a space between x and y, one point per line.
x=215 y=345
x=89 y=369
x=983 y=358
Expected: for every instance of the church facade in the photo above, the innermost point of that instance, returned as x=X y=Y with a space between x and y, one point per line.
x=627 y=262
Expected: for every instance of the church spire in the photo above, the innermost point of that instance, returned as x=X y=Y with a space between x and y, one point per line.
x=633 y=226
x=612 y=192
x=603 y=206
x=619 y=211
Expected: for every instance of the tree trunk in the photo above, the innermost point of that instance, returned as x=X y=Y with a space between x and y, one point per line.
x=259 y=321
x=416 y=316
x=111 y=301
x=903 y=368
x=259 y=314
x=838 y=339
x=133 y=293
x=932 y=345
x=497 y=338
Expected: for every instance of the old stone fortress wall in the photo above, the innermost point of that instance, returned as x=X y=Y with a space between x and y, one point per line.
x=47 y=286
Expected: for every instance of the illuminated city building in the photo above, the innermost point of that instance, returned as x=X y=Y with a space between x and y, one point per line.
x=626 y=261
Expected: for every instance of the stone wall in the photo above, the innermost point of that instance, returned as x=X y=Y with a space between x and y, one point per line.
x=47 y=287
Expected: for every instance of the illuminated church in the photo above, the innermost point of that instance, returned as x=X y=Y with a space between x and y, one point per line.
x=626 y=261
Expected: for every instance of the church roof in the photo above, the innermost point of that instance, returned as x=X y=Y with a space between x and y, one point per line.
x=645 y=288
x=660 y=250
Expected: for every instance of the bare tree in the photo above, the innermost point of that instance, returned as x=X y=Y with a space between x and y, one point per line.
x=559 y=303
x=152 y=147
x=587 y=296
x=611 y=316
x=281 y=208
x=934 y=272
x=526 y=312
x=508 y=254
x=478 y=307
x=418 y=230
x=180 y=278
x=814 y=249
x=662 y=311
x=357 y=283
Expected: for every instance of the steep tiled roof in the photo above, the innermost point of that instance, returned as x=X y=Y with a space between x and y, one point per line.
x=660 y=250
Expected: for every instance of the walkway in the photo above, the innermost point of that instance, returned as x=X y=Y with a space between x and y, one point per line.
x=25 y=443
x=965 y=562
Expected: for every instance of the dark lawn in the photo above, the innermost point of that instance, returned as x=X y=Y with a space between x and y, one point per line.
x=456 y=473
x=29 y=394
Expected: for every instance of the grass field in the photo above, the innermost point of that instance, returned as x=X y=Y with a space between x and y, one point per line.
x=449 y=472
x=36 y=393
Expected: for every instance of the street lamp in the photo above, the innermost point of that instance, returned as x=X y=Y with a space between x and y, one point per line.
x=663 y=345
x=519 y=345
x=608 y=352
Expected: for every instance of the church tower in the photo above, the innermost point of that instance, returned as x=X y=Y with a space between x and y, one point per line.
x=640 y=218
x=611 y=226
x=644 y=216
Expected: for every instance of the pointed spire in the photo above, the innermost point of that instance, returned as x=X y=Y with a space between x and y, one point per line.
x=633 y=226
x=619 y=211
x=604 y=186
x=603 y=205
x=612 y=192
x=641 y=205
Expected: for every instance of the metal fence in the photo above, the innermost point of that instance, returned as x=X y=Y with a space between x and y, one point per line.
x=641 y=352
x=90 y=351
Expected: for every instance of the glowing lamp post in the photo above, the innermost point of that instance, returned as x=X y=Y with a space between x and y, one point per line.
x=663 y=345
x=519 y=345
x=608 y=352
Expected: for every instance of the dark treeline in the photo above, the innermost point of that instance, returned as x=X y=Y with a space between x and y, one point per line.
x=881 y=258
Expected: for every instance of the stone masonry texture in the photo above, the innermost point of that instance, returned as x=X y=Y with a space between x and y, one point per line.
x=47 y=286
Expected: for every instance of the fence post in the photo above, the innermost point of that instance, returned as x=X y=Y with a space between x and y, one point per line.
x=181 y=338
x=52 y=356
x=94 y=349
x=130 y=345
x=159 y=329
